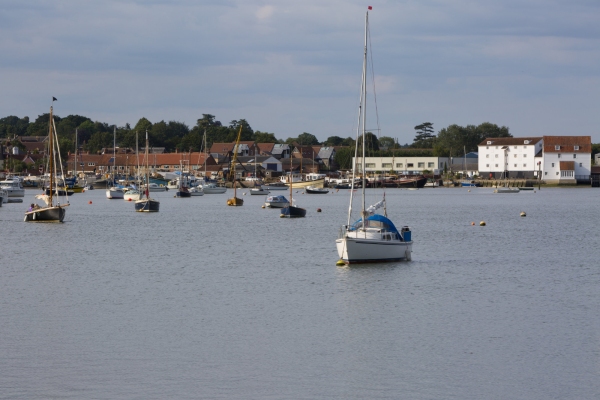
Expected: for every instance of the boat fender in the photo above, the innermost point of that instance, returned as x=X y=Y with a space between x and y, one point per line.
x=34 y=216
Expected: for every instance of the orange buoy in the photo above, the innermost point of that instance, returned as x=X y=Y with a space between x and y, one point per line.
x=318 y=210
x=90 y=202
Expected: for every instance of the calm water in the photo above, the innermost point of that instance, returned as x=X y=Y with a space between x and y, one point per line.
x=206 y=301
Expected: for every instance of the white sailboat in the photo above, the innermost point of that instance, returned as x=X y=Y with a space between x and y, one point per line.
x=114 y=192
x=134 y=194
x=52 y=212
x=147 y=204
x=374 y=237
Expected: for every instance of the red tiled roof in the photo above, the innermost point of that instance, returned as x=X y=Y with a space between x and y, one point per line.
x=567 y=144
x=567 y=165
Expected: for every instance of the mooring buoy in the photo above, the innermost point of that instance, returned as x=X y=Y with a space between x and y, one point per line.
x=482 y=223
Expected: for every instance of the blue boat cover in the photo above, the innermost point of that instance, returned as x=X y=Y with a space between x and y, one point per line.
x=376 y=221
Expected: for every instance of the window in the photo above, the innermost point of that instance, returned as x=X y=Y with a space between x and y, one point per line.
x=386 y=165
x=496 y=165
x=487 y=156
x=524 y=165
x=176 y=166
x=91 y=164
x=515 y=147
x=576 y=148
x=165 y=166
x=581 y=164
x=399 y=165
x=489 y=142
x=524 y=155
x=121 y=167
x=496 y=155
x=430 y=165
x=557 y=147
x=574 y=155
x=545 y=173
x=515 y=156
x=421 y=165
x=410 y=165
x=558 y=155
x=526 y=142
x=496 y=146
x=556 y=172
x=515 y=165
x=487 y=147
x=552 y=165
x=487 y=165
x=370 y=165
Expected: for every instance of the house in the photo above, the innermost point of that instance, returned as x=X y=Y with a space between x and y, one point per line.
x=404 y=165
x=225 y=149
x=326 y=157
x=510 y=157
x=558 y=159
x=281 y=151
x=567 y=159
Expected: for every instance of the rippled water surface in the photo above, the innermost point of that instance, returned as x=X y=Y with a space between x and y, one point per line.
x=206 y=301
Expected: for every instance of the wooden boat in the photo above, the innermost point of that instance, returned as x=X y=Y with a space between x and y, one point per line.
x=373 y=237
x=147 y=204
x=235 y=201
x=51 y=212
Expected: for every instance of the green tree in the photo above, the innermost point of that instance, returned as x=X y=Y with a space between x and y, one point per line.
x=333 y=141
x=386 y=142
x=264 y=137
x=371 y=141
x=307 y=139
x=343 y=157
x=424 y=138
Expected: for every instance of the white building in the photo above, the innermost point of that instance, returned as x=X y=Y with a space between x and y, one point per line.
x=559 y=159
x=509 y=157
x=404 y=165
x=567 y=159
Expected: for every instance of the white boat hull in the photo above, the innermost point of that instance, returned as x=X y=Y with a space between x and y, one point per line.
x=15 y=192
x=507 y=190
x=214 y=189
x=114 y=194
x=132 y=196
x=353 y=251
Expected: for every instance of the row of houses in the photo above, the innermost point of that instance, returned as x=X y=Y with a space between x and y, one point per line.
x=554 y=159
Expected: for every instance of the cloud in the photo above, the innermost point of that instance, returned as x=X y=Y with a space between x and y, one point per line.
x=295 y=66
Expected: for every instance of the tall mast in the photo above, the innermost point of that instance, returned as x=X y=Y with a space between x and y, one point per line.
x=364 y=117
x=51 y=157
x=75 y=166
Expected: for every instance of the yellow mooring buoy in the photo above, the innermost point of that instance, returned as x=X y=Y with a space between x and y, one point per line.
x=482 y=223
x=523 y=214
x=340 y=263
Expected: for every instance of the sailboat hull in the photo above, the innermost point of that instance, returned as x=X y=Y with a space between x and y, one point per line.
x=235 y=202
x=292 y=212
x=360 y=250
x=114 y=193
x=46 y=214
x=147 y=205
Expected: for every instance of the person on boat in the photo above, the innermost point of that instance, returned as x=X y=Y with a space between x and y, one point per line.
x=33 y=207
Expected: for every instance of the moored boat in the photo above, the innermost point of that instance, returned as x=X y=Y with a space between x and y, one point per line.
x=276 y=201
x=373 y=237
x=314 y=190
x=51 y=212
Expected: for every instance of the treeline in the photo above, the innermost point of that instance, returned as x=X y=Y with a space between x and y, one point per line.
x=172 y=135
x=177 y=136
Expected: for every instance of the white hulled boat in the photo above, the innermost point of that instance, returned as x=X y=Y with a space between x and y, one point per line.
x=373 y=237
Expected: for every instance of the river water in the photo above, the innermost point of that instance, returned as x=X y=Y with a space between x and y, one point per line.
x=205 y=301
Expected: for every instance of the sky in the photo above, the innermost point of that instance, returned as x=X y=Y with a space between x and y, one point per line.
x=289 y=67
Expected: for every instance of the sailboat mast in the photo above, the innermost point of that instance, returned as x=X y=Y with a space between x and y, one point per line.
x=364 y=117
x=76 y=146
x=51 y=157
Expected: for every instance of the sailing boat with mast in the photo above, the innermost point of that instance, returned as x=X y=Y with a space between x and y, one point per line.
x=291 y=211
x=235 y=201
x=147 y=204
x=206 y=186
x=133 y=193
x=373 y=238
x=51 y=212
x=114 y=192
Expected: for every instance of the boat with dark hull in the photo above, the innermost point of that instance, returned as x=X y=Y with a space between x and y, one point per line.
x=51 y=212
x=146 y=204
x=313 y=190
